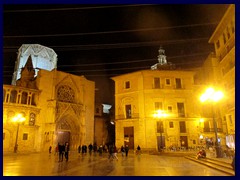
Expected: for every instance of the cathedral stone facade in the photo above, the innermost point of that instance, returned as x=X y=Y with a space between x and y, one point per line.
x=57 y=107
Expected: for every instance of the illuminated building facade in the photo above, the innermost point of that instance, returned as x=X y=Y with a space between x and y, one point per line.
x=58 y=108
x=139 y=95
x=187 y=122
x=42 y=58
x=219 y=70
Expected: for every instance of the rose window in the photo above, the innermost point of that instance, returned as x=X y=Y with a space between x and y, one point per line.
x=65 y=94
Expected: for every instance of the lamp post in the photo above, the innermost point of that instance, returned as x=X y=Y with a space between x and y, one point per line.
x=160 y=114
x=200 y=130
x=213 y=96
x=18 y=119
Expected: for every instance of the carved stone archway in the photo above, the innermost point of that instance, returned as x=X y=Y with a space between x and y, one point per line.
x=68 y=130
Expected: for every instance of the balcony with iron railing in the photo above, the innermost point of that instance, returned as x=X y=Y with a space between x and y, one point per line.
x=212 y=130
x=124 y=117
x=226 y=49
x=154 y=86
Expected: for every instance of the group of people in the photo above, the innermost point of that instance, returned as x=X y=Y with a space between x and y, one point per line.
x=62 y=150
x=124 y=150
x=92 y=148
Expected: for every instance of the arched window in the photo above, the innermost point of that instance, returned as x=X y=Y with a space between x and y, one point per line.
x=13 y=96
x=24 y=98
x=33 y=100
x=65 y=94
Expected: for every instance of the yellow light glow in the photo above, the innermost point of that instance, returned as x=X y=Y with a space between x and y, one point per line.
x=18 y=118
x=210 y=91
x=201 y=120
x=160 y=114
x=217 y=96
x=211 y=94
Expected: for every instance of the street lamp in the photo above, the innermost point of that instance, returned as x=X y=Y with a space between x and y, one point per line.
x=18 y=119
x=160 y=114
x=213 y=96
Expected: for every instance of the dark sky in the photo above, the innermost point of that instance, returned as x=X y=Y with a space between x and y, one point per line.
x=102 y=41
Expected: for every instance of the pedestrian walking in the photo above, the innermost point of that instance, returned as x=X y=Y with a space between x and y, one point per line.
x=66 y=150
x=138 y=151
x=126 y=150
x=100 y=150
x=79 y=149
x=90 y=148
x=122 y=150
x=111 y=152
x=61 y=152
x=50 y=149
x=115 y=153
x=95 y=148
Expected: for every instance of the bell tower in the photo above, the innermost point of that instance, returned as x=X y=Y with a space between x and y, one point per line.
x=162 y=62
x=162 y=59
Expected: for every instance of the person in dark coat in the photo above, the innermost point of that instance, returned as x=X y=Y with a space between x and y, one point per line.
x=90 y=148
x=138 y=151
x=126 y=150
x=66 y=150
x=79 y=149
x=111 y=152
x=61 y=152
x=50 y=149
x=122 y=150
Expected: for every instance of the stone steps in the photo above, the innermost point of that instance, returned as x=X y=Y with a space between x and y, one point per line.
x=214 y=163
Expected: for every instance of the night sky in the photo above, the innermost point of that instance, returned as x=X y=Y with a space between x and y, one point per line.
x=102 y=41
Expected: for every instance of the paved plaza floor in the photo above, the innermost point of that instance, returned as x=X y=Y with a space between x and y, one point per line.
x=43 y=164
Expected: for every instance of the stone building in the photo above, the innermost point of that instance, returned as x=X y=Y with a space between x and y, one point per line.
x=183 y=121
x=58 y=107
x=140 y=95
x=219 y=70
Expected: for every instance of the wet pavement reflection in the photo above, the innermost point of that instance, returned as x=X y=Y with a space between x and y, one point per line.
x=43 y=164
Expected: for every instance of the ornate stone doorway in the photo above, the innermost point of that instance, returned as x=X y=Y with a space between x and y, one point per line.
x=68 y=130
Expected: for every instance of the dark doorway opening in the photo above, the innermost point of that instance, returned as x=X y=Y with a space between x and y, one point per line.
x=160 y=142
x=129 y=137
x=184 y=142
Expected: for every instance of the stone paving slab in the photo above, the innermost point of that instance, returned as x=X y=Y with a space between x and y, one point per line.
x=42 y=164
